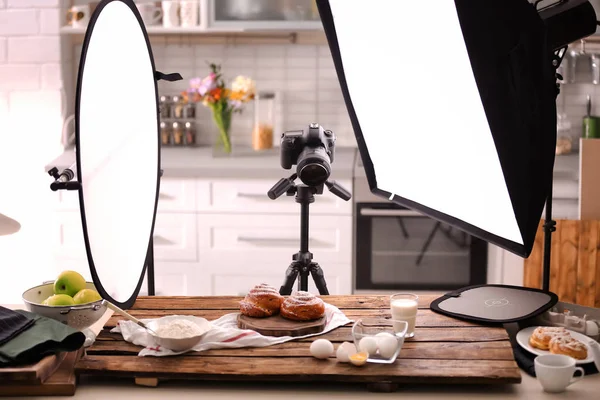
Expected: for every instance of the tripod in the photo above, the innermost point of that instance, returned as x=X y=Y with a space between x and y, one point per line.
x=303 y=263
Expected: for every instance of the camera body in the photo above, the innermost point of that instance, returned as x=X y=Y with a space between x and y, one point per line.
x=312 y=150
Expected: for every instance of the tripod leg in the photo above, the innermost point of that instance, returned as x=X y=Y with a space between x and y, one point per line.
x=303 y=281
x=290 y=276
x=319 y=278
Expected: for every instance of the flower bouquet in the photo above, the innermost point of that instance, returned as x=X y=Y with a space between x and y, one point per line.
x=223 y=102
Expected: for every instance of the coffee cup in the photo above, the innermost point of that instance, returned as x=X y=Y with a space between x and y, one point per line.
x=555 y=372
x=150 y=13
x=78 y=16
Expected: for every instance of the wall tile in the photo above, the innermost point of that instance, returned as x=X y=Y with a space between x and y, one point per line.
x=2 y=50
x=51 y=76
x=32 y=3
x=36 y=49
x=19 y=77
x=49 y=22
x=18 y=22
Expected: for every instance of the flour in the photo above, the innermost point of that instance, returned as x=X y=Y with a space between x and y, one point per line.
x=178 y=329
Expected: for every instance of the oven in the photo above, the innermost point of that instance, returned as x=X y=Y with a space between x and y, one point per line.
x=398 y=249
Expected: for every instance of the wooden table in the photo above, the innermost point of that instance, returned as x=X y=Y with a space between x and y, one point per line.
x=444 y=350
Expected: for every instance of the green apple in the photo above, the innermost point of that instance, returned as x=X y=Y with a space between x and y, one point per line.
x=60 y=300
x=69 y=283
x=86 y=296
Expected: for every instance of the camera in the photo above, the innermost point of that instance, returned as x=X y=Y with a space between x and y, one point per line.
x=312 y=150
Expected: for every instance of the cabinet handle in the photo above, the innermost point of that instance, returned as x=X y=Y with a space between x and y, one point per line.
x=374 y=212
x=258 y=196
x=263 y=240
x=158 y=239
x=263 y=196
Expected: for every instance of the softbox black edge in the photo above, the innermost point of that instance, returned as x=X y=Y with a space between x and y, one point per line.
x=436 y=308
x=331 y=35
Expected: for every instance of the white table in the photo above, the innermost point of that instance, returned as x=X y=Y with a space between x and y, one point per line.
x=112 y=389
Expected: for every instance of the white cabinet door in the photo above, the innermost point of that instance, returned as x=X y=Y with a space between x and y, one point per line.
x=175 y=279
x=177 y=195
x=240 y=242
x=337 y=279
x=175 y=237
x=246 y=196
x=68 y=236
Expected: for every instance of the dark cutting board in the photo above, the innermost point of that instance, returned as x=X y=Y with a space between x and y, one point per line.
x=279 y=326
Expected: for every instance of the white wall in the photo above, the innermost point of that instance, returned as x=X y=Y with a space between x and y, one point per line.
x=30 y=126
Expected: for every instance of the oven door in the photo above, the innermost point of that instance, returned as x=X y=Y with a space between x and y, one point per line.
x=397 y=248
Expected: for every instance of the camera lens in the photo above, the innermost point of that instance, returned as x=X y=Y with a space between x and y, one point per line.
x=313 y=166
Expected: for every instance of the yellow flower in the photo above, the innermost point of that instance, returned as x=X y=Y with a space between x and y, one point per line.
x=244 y=85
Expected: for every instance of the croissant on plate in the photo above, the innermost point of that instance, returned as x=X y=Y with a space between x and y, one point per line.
x=261 y=301
x=302 y=306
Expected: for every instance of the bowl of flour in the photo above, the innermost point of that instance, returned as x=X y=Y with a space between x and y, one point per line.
x=179 y=332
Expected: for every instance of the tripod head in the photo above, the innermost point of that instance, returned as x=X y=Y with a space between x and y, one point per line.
x=287 y=186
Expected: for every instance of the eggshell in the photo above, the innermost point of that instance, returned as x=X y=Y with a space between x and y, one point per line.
x=321 y=348
x=368 y=344
x=387 y=346
x=344 y=351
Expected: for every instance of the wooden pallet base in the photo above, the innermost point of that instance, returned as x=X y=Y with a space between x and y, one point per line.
x=378 y=387
x=444 y=351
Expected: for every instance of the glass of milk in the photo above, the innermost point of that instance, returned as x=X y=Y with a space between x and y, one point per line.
x=404 y=308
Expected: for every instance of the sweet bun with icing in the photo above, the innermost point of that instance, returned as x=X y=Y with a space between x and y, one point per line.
x=302 y=306
x=568 y=346
x=261 y=301
x=542 y=335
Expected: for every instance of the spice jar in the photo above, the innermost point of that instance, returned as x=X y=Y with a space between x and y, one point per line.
x=165 y=107
x=177 y=134
x=177 y=107
x=264 y=120
x=165 y=134
x=190 y=133
x=189 y=111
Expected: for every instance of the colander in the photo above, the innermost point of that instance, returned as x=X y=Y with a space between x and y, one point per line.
x=77 y=317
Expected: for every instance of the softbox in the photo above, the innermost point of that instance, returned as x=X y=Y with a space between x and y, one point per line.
x=453 y=104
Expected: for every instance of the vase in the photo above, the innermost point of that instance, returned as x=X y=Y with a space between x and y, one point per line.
x=222 y=142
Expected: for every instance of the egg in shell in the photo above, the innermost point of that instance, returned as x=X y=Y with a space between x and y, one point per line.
x=344 y=351
x=321 y=348
x=368 y=344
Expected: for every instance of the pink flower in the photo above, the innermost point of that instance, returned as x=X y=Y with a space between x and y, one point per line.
x=207 y=84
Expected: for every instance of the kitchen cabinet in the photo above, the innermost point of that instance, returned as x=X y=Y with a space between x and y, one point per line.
x=262 y=14
x=223 y=236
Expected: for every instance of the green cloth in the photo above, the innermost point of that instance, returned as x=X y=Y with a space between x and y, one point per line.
x=46 y=336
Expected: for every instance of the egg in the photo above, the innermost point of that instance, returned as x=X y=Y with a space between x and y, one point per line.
x=387 y=346
x=321 y=348
x=344 y=351
x=368 y=344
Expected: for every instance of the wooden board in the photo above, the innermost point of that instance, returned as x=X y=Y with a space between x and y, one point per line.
x=279 y=326
x=574 y=265
x=33 y=374
x=444 y=350
x=62 y=381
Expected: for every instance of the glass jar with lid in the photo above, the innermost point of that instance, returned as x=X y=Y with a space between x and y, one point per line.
x=264 y=121
x=165 y=106
x=177 y=134
x=177 y=107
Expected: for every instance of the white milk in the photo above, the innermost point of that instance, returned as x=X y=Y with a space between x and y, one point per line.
x=405 y=310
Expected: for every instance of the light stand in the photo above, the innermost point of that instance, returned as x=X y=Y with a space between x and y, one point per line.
x=303 y=263
x=64 y=181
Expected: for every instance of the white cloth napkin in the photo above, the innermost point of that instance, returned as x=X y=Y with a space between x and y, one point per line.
x=224 y=333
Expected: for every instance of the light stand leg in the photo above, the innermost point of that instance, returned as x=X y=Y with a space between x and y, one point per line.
x=150 y=268
x=549 y=227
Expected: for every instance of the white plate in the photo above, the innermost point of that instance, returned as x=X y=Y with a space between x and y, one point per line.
x=523 y=340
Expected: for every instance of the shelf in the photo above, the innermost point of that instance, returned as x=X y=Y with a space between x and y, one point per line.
x=196 y=30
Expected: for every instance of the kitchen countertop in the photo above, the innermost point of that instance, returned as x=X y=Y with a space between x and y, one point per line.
x=89 y=388
x=198 y=162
